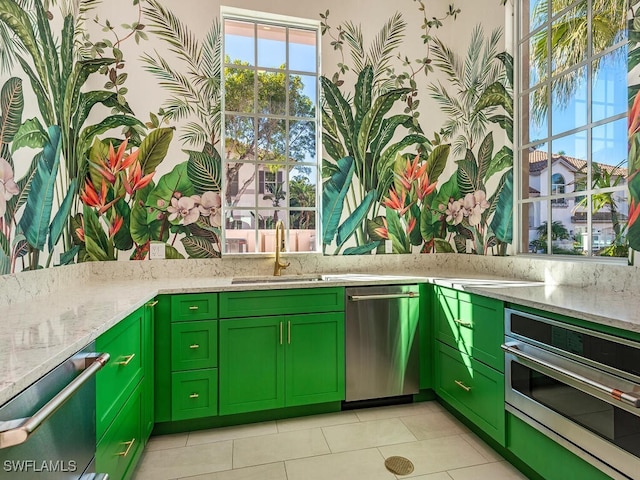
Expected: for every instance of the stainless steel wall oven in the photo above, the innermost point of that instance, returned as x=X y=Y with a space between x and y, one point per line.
x=578 y=386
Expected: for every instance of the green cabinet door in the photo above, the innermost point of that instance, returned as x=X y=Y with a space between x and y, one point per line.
x=148 y=369
x=314 y=358
x=251 y=364
x=122 y=374
x=194 y=394
x=473 y=389
x=470 y=323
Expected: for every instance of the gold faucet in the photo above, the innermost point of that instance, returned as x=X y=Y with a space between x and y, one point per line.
x=279 y=266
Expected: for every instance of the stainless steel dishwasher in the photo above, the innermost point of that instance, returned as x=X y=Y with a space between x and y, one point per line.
x=382 y=341
x=49 y=429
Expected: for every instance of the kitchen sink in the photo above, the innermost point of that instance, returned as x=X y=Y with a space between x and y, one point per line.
x=335 y=277
x=286 y=279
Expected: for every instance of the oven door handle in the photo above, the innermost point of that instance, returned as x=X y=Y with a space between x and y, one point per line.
x=15 y=432
x=634 y=401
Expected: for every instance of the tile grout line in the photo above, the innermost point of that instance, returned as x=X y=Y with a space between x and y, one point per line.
x=473 y=447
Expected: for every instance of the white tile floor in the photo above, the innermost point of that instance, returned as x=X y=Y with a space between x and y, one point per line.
x=349 y=445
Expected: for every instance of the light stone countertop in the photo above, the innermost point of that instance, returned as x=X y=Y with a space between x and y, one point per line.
x=37 y=335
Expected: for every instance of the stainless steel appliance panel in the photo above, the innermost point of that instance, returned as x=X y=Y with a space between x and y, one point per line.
x=578 y=385
x=63 y=446
x=382 y=341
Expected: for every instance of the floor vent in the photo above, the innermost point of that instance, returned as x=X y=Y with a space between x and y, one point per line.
x=399 y=465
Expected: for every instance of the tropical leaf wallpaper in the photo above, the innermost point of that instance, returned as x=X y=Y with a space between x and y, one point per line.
x=86 y=174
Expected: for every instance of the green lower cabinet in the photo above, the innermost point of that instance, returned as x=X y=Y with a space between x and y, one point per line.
x=194 y=345
x=550 y=460
x=281 y=361
x=314 y=359
x=122 y=443
x=472 y=388
x=194 y=394
x=251 y=364
x=148 y=368
x=125 y=343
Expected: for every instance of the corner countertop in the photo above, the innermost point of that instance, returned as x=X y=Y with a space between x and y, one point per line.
x=36 y=336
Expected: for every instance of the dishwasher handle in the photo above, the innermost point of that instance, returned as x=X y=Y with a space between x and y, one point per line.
x=383 y=296
x=15 y=432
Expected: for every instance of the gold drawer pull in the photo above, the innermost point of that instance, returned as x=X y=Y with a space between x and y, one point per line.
x=462 y=323
x=193 y=307
x=129 y=444
x=152 y=304
x=194 y=395
x=126 y=362
x=194 y=346
x=462 y=386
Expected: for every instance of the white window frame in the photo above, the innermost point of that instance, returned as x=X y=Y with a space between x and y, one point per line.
x=239 y=14
x=520 y=220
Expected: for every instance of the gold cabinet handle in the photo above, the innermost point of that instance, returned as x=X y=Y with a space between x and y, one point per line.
x=462 y=323
x=194 y=395
x=193 y=307
x=194 y=346
x=152 y=304
x=462 y=386
x=289 y=333
x=129 y=444
x=127 y=360
x=280 y=333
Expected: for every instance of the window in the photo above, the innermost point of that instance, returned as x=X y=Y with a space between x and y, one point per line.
x=572 y=145
x=558 y=188
x=271 y=133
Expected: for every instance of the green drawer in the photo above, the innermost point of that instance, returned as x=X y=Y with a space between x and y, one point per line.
x=118 y=450
x=472 y=324
x=281 y=302
x=473 y=389
x=194 y=345
x=119 y=377
x=194 y=394
x=195 y=306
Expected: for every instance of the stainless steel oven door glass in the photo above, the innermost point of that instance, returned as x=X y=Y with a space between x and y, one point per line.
x=559 y=379
x=48 y=430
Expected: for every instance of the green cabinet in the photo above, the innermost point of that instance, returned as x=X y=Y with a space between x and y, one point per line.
x=472 y=388
x=281 y=361
x=124 y=393
x=194 y=394
x=119 y=448
x=251 y=364
x=194 y=345
x=186 y=346
x=546 y=457
x=281 y=302
x=148 y=367
x=469 y=363
x=470 y=323
x=194 y=306
x=121 y=375
x=314 y=359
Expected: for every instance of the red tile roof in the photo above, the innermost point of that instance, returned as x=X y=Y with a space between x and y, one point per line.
x=538 y=162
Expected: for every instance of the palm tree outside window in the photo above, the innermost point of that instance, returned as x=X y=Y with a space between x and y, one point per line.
x=572 y=104
x=270 y=130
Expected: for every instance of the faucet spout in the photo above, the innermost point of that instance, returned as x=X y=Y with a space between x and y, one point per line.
x=280 y=246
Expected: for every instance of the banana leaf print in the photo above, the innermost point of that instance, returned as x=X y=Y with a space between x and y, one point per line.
x=56 y=78
x=362 y=131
